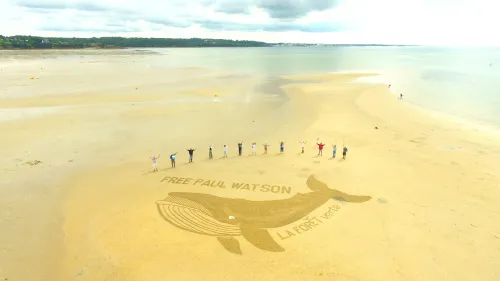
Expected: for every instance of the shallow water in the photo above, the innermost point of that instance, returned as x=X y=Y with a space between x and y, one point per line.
x=464 y=82
x=457 y=81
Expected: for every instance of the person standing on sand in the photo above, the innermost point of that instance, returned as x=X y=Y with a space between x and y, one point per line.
x=265 y=147
x=155 y=162
x=225 y=151
x=240 y=148
x=334 y=150
x=191 y=152
x=320 y=148
x=344 y=152
x=172 y=159
x=400 y=96
x=254 y=148
x=210 y=154
x=302 y=144
x=282 y=146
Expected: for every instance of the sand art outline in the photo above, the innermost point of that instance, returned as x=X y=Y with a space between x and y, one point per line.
x=226 y=218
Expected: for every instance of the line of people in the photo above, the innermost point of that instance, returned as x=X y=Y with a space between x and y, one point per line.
x=191 y=151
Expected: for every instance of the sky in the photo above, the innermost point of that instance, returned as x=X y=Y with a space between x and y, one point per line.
x=421 y=22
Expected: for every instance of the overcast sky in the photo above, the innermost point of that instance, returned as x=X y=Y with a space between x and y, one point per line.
x=428 y=22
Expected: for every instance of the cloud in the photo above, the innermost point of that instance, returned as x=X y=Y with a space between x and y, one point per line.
x=292 y=9
x=100 y=29
x=435 y=22
x=60 y=5
x=279 y=9
x=275 y=27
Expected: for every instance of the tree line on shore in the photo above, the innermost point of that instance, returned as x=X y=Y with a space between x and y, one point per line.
x=36 y=42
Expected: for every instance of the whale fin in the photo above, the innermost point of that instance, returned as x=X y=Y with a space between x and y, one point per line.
x=315 y=184
x=230 y=244
x=261 y=239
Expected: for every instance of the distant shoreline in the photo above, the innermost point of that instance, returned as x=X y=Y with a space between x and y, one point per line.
x=191 y=47
x=27 y=42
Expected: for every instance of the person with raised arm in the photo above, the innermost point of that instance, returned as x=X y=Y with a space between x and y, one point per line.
x=282 y=146
x=172 y=159
x=191 y=152
x=265 y=147
x=320 y=148
x=302 y=145
x=240 y=148
x=155 y=162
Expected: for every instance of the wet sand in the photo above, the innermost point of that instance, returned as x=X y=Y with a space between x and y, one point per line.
x=93 y=210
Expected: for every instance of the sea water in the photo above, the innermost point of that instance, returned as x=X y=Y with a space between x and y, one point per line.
x=462 y=82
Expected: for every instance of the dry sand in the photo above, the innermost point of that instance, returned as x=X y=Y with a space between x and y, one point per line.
x=88 y=211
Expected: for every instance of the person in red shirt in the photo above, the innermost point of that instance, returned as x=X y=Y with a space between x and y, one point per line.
x=320 y=147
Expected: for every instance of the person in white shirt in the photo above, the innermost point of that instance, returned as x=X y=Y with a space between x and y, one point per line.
x=302 y=144
x=155 y=162
x=225 y=150
x=254 y=148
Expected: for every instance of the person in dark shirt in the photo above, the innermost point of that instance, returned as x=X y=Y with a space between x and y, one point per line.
x=344 y=152
x=282 y=146
x=240 y=148
x=190 y=151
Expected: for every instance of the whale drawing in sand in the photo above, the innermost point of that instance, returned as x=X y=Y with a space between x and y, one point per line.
x=226 y=218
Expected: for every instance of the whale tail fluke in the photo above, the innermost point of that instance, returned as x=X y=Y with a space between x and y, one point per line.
x=317 y=185
x=340 y=196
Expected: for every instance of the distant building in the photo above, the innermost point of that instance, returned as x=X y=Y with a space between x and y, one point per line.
x=45 y=41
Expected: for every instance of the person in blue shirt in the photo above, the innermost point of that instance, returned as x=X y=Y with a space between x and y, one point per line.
x=172 y=159
x=344 y=152
x=282 y=146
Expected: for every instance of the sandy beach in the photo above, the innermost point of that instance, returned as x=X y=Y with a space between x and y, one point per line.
x=79 y=200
